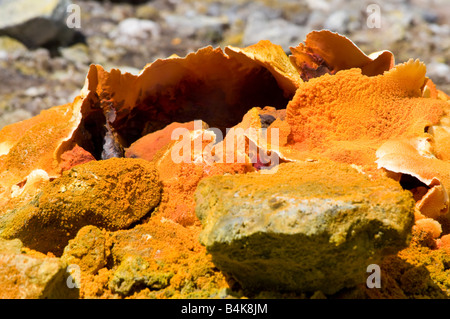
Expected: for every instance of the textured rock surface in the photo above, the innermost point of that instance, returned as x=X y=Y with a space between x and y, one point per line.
x=410 y=29
x=30 y=277
x=112 y=194
x=89 y=250
x=147 y=146
x=311 y=226
x=158 y=259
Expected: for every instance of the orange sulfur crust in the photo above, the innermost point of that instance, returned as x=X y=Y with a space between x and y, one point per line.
x=331 y=110
x=180 y=180
x=430 y=226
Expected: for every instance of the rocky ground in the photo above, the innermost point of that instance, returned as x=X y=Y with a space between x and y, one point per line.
x=135 y=254
x=128 y=35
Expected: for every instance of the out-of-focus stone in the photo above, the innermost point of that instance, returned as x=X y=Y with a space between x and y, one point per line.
x=77 y=53
x=343 y=21
x=9 y=45
x=147 y=12
x=439 y=72
x=36 y=23
x=310 y=226
x=195 y=25
x=89 y=250
x=74 y=157
x=132 y=31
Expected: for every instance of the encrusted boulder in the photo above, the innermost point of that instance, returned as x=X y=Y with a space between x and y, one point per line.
x=112 y=194
x=309 y=226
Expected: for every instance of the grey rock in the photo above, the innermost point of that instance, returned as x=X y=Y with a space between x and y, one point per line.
x=278 y=31
x=430 y=17
x=135 y=273
x=36 y=23
x=337 y=21
x=77 y=53
x=35 y=91
x=316 y=20
x=343 y=21
x=308 y=227
x=132 y=31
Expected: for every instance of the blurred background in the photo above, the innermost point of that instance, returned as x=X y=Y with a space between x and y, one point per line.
x=47 y=46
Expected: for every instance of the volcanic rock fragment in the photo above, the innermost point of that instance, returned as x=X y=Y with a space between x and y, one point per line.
x=112 y=194
x=180 y=175
x=272 y=57
x=30 y=277
x=89 y=249
x=260 y=135
x=311 y=226
x=74 y=157
x=134 y=273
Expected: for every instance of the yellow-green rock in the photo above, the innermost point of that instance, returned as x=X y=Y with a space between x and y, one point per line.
x=310 y=226
x=36 y=23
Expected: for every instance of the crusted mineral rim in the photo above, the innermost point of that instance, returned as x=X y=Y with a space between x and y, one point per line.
x=341 y=163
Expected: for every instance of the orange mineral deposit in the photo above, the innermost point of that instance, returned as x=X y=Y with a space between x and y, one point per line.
x=348 y=115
